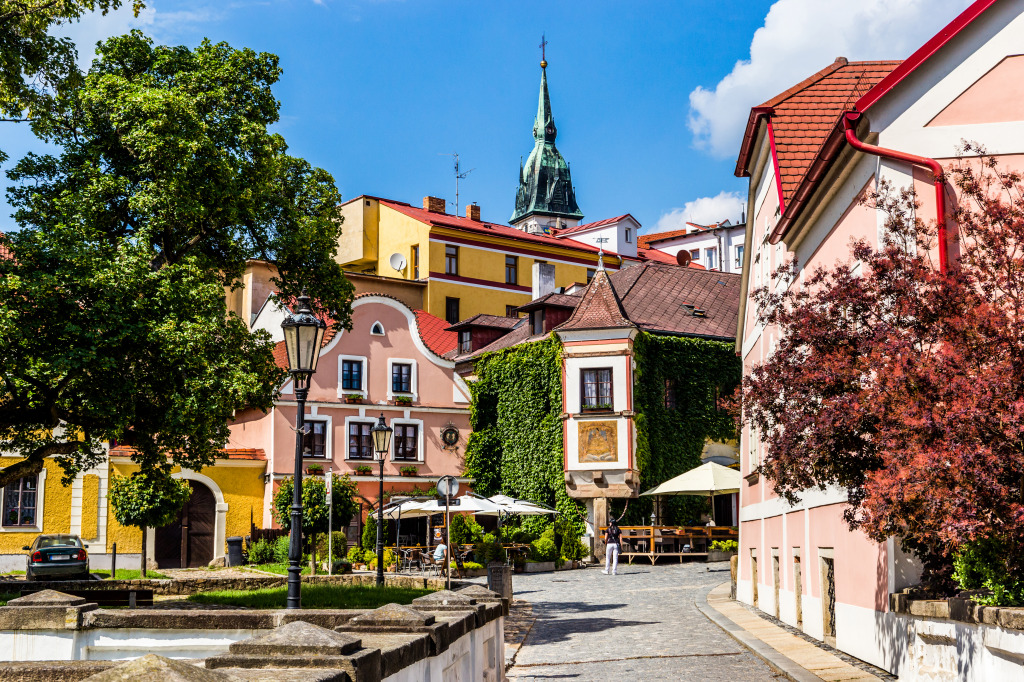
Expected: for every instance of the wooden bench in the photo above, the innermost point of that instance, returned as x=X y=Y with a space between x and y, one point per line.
x=131 y=598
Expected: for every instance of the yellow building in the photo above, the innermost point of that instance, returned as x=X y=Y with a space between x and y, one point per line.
x=469 y=266
x=224 y=499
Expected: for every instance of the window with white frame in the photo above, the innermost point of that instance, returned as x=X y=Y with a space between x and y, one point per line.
x=21 y=500
x=360 y=440
x=406 y=443
x=401 y=377
x=596 y=388
x=314 y=441
x=629 y=235
x=711 y=258
x=352 y=374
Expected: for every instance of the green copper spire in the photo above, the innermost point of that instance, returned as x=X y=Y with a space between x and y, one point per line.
x=545 y=186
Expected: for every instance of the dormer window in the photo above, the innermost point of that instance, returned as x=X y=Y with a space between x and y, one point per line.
x=465 y=342
x=537 y=321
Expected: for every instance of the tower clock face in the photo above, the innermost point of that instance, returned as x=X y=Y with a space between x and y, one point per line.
x=450 y=436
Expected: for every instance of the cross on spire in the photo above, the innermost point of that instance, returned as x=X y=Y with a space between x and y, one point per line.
x=543 y=58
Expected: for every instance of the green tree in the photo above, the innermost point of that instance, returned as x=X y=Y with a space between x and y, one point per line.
x=35 y=66
x=147 y=500
x=113 y=321
x=315 y=512
x=369 y=539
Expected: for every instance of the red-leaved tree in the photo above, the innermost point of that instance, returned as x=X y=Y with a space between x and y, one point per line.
x=904 y=384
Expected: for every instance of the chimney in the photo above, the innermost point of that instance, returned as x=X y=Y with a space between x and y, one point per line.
x=433 y=204
x=473 y=212
x=543 y=279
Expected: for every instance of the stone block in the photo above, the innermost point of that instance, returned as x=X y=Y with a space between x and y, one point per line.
x=445 y=598
x=392 y=616
x=153 y=668
x=298 y=638
x=1012 y=619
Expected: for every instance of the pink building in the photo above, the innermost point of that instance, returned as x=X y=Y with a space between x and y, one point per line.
x=800 y=562
x=392 y=363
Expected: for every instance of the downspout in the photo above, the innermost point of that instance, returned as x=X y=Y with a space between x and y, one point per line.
x=849 y=120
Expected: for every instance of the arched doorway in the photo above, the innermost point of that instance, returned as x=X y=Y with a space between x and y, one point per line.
x=188 y=542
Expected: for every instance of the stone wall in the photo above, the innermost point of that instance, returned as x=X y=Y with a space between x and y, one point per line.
x=443 y=635
x=954 y=639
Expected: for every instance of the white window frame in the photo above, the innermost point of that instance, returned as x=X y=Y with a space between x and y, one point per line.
x=328 y=436
x=413 y=380
x=420 y=454
x=40 y=489
x=710 y=256
x=359 y=420
x=374 y=326
x=366 y=367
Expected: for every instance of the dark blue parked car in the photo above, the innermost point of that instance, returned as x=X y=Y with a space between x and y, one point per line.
x=57 y=556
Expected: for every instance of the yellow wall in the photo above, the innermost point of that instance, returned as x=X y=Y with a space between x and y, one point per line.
x=56 y=508
x=358 y=243
x=398 y=234
x=90 y=507
x=242 y=487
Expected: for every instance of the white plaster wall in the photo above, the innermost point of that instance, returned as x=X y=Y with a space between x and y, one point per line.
x=477 y=656
x=947 y=650
x=621 y=377
x=723 y=240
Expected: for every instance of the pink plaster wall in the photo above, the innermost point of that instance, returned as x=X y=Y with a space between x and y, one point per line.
x=795 y=538
x=995 y=97
x=861 y=565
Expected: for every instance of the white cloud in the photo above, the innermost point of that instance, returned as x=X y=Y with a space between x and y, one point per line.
x=798 y=38
x=94 y=27
x=703 y=211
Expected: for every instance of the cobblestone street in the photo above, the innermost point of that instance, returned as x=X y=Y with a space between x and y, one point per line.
x=641 y=624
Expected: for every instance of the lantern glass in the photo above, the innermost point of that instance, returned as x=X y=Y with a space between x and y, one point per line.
x=381 y=436
x=303 y=336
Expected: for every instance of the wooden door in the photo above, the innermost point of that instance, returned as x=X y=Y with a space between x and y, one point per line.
x=188 y=541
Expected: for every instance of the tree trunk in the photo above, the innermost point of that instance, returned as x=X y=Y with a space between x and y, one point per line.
x=312 y=554
x=142 y=569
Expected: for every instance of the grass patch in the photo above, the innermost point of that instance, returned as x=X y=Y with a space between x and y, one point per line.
x=131 y=574
x=279 y=569
x=8 y=596
x=314 y=597
x=13 y=573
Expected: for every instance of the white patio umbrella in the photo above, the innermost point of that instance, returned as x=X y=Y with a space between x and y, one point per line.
x=464 y=503
x=708 y=479
x=510 y=506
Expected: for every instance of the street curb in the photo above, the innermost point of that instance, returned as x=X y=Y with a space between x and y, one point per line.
x=775 y=660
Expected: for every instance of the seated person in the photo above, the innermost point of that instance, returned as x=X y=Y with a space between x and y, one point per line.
x=441 y=555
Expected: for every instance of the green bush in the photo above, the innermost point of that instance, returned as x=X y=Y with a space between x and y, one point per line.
x=460 y=531
x=355 y=555
x=342 y=566
x=488 y=549
x=281 y=550
x=390 y=558
x=468 y=565
x=574 y=549
x=724 y=546
x=544 y=547
x=262 y=552
x=982 y=565
x=370 y=533
x=340 y=544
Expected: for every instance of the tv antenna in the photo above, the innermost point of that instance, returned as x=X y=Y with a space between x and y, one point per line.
x=459 y=175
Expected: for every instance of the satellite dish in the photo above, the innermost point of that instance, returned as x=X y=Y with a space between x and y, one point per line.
x=397 y=261
x=683 y=258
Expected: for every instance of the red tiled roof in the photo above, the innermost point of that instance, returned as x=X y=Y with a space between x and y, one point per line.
x=226 y=453
x=589 y=226
x=434 y=332
x=480 y=227
x=483 y=320
x=600 y=307
x=645 y=240
x=804 y=116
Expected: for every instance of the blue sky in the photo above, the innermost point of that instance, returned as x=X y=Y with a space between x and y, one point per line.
x=649 y=97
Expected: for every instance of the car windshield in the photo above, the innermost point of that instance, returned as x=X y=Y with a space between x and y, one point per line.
x=59 y=541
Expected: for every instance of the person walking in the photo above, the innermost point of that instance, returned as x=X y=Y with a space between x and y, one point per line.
x=612 y=547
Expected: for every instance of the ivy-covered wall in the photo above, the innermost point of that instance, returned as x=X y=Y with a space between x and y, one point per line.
x=516 y=444
x=670 y=441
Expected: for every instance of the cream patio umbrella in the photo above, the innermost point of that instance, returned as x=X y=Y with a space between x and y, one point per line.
x=708 y=479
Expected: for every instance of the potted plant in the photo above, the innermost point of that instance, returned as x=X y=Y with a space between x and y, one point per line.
x=600 y=407
x=403 y=400
x=722 y=550
x=315 y=469
x=409 y=471
x=353 y=398
x=364 y=470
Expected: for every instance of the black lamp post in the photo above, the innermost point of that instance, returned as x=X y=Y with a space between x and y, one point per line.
x=303 y=334
x=381 y=442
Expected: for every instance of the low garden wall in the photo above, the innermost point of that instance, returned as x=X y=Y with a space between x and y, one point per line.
x=186 y=586
x=440 y=636
x=956 y=639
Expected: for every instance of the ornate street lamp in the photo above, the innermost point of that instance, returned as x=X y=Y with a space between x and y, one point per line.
x=303 y=334
x=381 y=442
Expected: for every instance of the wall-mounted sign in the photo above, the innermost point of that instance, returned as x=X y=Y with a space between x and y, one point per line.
x=450 y=437
x=598 y=441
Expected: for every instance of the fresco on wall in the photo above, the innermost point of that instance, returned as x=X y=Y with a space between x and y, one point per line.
x=598 y=442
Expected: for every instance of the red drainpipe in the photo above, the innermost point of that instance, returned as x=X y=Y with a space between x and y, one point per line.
x=850 y=118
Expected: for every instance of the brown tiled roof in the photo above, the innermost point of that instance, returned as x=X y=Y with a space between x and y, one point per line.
x=600 y=308
x=662 y=298
x=482 y=320
x=805 y=115
x=521 y=333
x=226 y=453
x=552 y=299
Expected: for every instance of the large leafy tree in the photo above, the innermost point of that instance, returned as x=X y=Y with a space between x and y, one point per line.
x=113 y=323
x=35 y=65
x=904 y=384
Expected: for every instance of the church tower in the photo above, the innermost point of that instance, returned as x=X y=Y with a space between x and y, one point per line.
x=546 y=198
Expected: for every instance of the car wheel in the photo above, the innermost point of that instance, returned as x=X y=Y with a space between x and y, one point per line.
x=29 y=575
